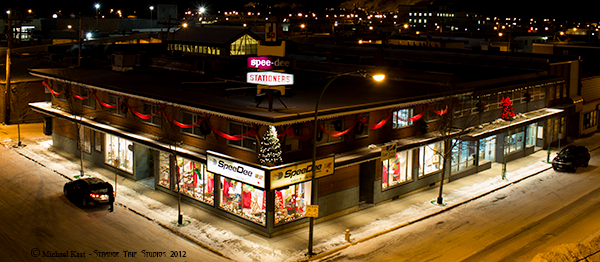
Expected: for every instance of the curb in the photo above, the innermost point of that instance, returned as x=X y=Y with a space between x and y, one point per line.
x=190 y=238
x=326 y=254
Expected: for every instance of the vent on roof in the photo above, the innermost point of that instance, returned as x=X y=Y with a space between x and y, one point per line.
x=123 y=62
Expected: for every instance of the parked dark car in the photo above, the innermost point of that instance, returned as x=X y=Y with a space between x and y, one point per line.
x=89 y=190
x=570 y=158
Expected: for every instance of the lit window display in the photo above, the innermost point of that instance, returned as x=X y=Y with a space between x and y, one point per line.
x=396 y=170
x=487 y=148
x=164 y=170
x=429 y=158
x=463 y=155
x=195 y=181
x=291 y=201
x=121 y=149
x=243 y=200
x=514 y=140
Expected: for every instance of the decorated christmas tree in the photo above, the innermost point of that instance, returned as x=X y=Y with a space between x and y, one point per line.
x=270 y=148
x=507 y=110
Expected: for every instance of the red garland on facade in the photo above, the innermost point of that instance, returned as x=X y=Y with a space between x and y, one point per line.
x=507 y=111
x=252 y=132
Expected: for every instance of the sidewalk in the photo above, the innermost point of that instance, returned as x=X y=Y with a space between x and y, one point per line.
x=238 y=243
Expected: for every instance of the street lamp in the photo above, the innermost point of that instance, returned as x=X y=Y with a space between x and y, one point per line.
x=151 y=9
x=314 y=194
x=201 y=10
x=97 y=6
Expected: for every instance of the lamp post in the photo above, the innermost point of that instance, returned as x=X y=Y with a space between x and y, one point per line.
x=313 y=179
x=97 y=6
x=151 y=9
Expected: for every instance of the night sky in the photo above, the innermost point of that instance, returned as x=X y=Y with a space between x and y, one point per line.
x=525 y=8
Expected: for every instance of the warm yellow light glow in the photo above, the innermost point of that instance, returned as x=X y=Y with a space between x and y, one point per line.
x=29 y=11
x=302 y=26
x=185 y=25
x=378 y=78
x=500 y=34
x=69 y=26
x=405 y=26
x=360 y=41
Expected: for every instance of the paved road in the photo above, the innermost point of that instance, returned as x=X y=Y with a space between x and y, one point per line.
x=512 y=224
x=36 y=220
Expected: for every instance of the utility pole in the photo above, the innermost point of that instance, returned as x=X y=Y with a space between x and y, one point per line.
x=79 y=40
x=7 y=91
x=8 y=50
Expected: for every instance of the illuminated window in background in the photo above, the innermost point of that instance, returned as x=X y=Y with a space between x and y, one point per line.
x=429 y=158
x=396 y=170
x=164 y=170
x=400 y=118
x=121 y=149
x=463 y=154
x=514 y=140
x=243 y=200
x=487 y=148
x=245 y=45
x=195 y=181
x=291 y=201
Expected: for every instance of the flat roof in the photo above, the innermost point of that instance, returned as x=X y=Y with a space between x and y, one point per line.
x=234 y=98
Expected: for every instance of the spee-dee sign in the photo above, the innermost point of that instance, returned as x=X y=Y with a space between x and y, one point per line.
x=269 y=78
x=270 y=62
x=301 y=172
x=244 y=173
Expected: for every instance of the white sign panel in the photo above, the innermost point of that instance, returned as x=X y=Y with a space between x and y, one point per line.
x=244 y=173
x=270 y=78
x=301 y=172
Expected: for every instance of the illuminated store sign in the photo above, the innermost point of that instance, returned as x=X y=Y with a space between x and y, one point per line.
x=270 y=78
x=301 y=172
x=270 y=62
x=244 y=173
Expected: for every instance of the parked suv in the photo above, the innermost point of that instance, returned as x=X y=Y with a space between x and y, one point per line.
x=570 y=158
x=90 y=191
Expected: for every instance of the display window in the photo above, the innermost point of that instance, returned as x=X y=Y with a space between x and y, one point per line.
x=291 y=201
x=429 y=158
x=119 y=149
x=487 y=148
x=514 y=140
x=396 y=170
x=243 y=200
x=195 y=181
x=463 y=154
x=164 y=170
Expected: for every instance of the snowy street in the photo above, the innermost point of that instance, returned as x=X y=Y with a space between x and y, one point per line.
x=40 y=224
x=512 y=224
x=531 y=214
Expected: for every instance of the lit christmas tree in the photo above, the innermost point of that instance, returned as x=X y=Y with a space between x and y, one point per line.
x=270 y=149
x=507 y=111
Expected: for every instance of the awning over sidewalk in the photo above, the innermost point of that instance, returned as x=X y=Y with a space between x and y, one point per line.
x=139 y=138
x=499 y=126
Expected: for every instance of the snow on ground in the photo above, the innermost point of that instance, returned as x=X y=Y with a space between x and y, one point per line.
x=239 y=249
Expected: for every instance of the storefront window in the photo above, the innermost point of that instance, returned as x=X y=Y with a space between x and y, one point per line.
x=487 y=148
x=397 y=170
x=514 y=140
x=429 y=158
x=195 y=181
x=531 y=134
x=291 y=201
x=121 y=149
x=243 y=200
x=164 y=170
x=463 y=155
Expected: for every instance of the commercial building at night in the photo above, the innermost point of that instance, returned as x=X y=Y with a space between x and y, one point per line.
x=200 y=133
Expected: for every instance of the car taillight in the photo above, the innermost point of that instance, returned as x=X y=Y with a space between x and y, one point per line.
x=94 y=195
